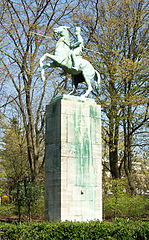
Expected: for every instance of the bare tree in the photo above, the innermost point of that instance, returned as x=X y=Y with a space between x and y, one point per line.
x=117 y=34
x=22 y=23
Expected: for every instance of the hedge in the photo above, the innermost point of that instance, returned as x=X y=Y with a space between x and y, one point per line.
x=120 y=229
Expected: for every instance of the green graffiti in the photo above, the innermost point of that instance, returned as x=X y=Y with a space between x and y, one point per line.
x=84 y=132
x=83 y=150
x=93 y=112
x=86 y=152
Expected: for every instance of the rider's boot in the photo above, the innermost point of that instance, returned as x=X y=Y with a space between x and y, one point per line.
x=75 y=68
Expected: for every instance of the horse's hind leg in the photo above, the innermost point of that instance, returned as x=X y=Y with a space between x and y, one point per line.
x=74 y=88
x=89 y=87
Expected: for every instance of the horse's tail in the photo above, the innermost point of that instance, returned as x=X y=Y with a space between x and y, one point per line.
x=97 y=81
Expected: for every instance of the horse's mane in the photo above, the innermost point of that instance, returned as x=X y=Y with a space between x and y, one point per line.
x=66 y=35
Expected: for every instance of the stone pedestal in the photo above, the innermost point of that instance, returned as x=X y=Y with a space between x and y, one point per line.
x=73 y=188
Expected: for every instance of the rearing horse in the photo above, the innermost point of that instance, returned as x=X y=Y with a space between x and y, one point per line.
x=62 y=58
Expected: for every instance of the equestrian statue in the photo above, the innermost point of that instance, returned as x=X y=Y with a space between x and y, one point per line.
x=69 y=57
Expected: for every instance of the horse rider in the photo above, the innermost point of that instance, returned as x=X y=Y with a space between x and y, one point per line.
x=77 y=49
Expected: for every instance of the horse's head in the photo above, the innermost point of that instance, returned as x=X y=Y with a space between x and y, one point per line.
x=61 y=31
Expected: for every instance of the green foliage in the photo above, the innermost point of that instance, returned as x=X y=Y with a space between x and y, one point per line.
x=13 y=154
x=38 y=210
x=127 y=206
x=117 y=190
x=6 y=210
x=120 y=230
x=118 y=202
x=18 y=194
x=26 y=194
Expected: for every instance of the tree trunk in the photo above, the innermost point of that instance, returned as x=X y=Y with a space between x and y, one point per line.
x=113 y=145
x=19 y=203
x=127 y=153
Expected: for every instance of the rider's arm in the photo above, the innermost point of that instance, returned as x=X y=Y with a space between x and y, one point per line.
x=78 y=42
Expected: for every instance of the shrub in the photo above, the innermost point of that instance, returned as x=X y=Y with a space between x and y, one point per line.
x=119 y=230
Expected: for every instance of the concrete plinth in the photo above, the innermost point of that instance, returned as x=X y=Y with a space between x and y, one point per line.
x=73 y=188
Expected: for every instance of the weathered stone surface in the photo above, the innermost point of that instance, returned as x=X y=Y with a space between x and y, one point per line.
x=73 y=160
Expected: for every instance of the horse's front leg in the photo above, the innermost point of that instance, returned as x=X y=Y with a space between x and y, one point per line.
x=43 y=66
x=43 y=75
x=47 y=65
x=43 y=58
